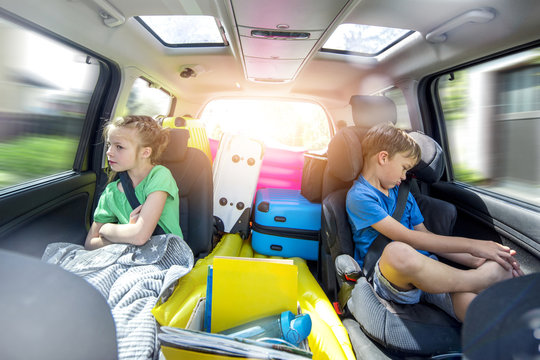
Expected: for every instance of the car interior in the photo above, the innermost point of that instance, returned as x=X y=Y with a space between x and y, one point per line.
x=306 y=79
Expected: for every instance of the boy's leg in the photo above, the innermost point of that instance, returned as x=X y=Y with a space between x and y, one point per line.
x=406 y=269
x=461 y=302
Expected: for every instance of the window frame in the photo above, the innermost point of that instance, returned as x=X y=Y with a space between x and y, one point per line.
x=186 y=45
x=431 y=108
x=365 y=54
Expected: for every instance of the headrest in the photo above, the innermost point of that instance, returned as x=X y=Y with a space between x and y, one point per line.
x=431 y=165
x=368 y=111
x=345 y=154
x=174 y=122
x=177 y=147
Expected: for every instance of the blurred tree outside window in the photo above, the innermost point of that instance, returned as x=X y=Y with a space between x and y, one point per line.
x=45 y=90
x=492 y=118
x=292 y=125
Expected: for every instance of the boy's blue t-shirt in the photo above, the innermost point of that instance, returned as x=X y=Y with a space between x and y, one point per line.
x=367 y=205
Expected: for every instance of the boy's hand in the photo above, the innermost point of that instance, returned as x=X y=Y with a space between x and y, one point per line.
x=135 y=214
x=516 y=268
x=491 y=250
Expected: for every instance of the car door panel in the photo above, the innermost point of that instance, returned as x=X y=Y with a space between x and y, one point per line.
x=54 y=212
x=483 y=216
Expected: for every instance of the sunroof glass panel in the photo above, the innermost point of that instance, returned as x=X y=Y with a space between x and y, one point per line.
x=184 y=30
x=364 y=39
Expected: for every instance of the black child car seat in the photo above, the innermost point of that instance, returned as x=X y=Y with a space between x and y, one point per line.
x=419 y=329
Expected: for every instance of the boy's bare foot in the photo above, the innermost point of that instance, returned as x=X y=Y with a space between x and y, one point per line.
x=491 y=273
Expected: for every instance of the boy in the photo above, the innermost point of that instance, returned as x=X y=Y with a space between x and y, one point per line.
x=407 y=270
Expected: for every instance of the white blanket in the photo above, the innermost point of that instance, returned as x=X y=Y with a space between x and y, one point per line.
x=131 y=278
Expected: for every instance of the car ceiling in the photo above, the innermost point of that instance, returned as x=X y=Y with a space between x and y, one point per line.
x=324 y=77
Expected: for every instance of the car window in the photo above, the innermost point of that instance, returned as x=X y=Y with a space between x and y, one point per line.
x=492 y=117
x=294 y=125
x=403 y=119
x=45 y=90
x=146 y=99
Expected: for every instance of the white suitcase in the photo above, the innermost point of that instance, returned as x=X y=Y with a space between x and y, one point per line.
x=235 y=173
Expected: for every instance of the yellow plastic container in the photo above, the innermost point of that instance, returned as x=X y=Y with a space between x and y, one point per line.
x=328 y=338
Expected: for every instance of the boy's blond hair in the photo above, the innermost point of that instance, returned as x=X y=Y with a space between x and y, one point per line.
x=386 y=137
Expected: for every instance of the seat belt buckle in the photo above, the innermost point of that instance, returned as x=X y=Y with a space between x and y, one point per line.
x=337 y=308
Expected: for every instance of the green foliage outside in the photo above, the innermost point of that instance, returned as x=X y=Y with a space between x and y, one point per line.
x=466 y=175
x=454 y=96
x=30 y=157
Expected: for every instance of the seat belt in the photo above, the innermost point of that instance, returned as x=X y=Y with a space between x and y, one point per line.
x=127 y=185
x=377 y=246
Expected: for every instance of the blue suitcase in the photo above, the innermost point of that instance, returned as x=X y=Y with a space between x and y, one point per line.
x=286 y=224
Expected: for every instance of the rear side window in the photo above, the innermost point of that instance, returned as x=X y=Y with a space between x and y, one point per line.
x=292 y=125
x=403 y=121
x=492 y=117
x=45 y=90
x=147 y=99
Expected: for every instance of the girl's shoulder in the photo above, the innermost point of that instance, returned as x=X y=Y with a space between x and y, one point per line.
x=112 y=186
x=159 y=174
x=159 y=170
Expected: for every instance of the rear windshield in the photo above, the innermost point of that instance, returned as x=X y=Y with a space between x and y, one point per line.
x=291 y=125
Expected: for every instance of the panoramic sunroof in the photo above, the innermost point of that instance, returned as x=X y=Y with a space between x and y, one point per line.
x=184 y=30
x=365 y=40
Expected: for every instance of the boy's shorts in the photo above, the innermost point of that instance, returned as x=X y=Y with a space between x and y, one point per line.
x=388 y=292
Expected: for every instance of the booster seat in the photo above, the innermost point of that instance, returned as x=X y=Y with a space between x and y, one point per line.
x=419 y=329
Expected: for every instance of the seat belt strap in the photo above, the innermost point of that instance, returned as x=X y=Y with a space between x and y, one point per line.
x=377 y=246
x=127 y=185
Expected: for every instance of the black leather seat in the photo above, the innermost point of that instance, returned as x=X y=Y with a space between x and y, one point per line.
x=394 y=327
x=49 y=313
x=192 y=171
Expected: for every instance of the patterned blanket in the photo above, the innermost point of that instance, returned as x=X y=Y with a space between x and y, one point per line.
x=131 y=278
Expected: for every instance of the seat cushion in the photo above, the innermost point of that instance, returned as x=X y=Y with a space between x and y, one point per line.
x=420 y=329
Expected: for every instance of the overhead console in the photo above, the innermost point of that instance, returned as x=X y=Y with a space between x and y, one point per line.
x=278 y=36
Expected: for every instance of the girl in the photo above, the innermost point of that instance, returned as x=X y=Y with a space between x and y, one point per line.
x=134 y=144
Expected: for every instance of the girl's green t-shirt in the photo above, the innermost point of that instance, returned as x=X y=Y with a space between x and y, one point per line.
x=114 y=207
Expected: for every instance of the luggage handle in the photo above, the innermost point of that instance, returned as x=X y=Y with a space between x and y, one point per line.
x=281 y=219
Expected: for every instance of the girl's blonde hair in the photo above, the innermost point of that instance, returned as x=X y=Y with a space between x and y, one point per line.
x=150 y=134
x=386 y=137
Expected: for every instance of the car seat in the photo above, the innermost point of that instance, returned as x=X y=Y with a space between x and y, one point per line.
x=419 y=329
x=49 y=313
x=503 y=321
x=192 y=170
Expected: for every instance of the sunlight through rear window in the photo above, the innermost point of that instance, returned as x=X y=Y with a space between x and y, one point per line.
x=293 y=125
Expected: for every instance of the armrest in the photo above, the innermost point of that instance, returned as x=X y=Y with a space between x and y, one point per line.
x=348 y=271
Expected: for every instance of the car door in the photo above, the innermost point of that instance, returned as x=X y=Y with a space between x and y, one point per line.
x=53 y=95
x=489 y=122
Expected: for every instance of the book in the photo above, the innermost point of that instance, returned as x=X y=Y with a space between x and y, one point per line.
x=179 y=343
x=247 y=289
